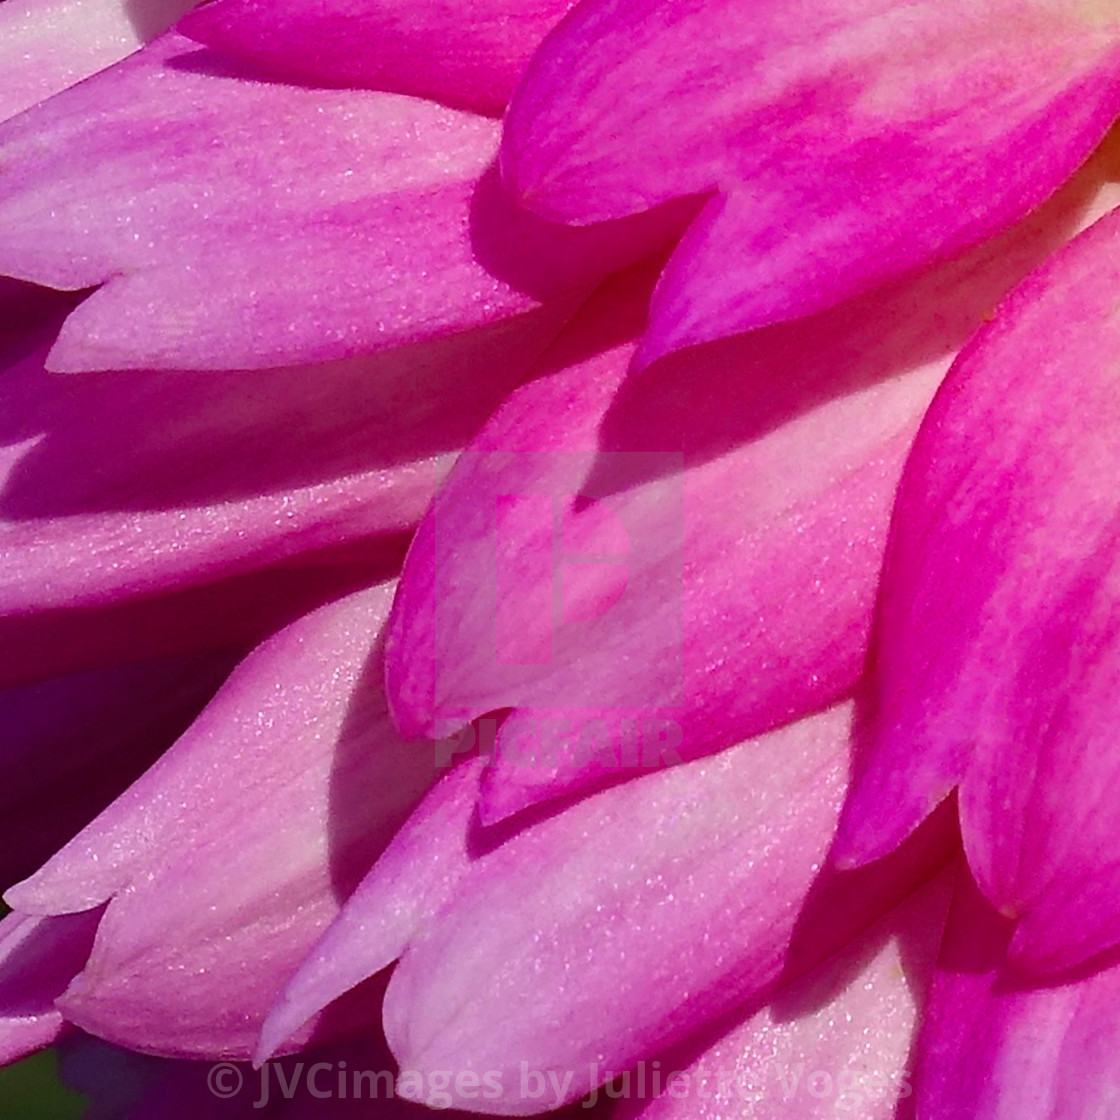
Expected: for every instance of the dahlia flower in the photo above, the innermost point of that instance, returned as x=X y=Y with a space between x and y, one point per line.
x=561 y=556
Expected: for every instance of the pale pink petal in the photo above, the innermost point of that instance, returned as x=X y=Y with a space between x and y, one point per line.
x=118 y=485
x=998 y=653
x=48 y=45
x=649 y=566
x=835 y=1043
x=225 y=862
x=467 y=55
x=638 y=915
x=415 y=875
x=103 y=500
x=352 y=222
x=996 y=1048
x=38 y=958
x=73 y=744
x=842 y=142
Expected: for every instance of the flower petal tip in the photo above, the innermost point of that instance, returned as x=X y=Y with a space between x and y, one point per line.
x=1041 y=948
x=281 y=1023
x=862 y=839
x=526 y=190
x=499 y=801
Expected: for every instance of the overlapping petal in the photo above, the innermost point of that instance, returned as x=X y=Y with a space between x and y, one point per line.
x=465 y=56
x=839 y=1041
x=999 y=656
x=116 y=485
x=49 y=45
x=310 y=290
x=411 y=881
x=683 y=895
x=238 y=222
x=839 y=143
x=614 y=895
x=997 y=1048
x=653 y=565
x=223 y=864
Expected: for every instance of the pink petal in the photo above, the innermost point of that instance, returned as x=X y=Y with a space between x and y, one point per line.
x=73 y=744
x=466 y=56
x=225 y=862
x=998 y=651
x=719 y=520
x=38 y=958
x=994 y=1048
x=300 y=465
x=415 y=875
x=638 y=915
x=837 y=1042
x=841 y=143
x=48 y=45
x=353 y=222
x=118 y=485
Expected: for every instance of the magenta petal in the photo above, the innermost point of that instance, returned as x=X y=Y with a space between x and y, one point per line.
x=48 y=45
x=847 y=143
x=999 y=653
x=38 y=958
x=636 y=916
x=719 y=520
x=836 y=1042
x=354 y=221
x=464 y=55
x=415 y=875
x=120 y=485
x=995 y=1049
x=225 y=862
